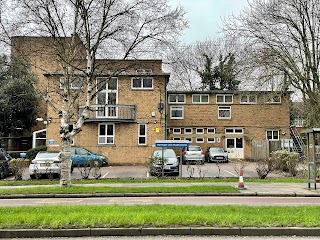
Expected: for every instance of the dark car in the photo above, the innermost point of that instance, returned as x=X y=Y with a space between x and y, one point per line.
x=81 y=157
x=4 y=163
x=216 y=154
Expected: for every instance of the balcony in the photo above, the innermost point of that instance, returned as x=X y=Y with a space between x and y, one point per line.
x=110 y=113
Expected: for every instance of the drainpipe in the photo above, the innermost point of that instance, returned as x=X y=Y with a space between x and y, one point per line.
x=165 y=107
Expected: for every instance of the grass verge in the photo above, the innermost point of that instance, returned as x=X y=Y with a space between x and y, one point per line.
x=157 y=216
x=104 y=189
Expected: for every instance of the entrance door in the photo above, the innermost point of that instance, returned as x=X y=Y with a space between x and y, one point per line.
x=235 y=147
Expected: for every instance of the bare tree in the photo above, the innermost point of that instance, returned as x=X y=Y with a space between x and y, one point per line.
x=111 y=28
x=281 y=41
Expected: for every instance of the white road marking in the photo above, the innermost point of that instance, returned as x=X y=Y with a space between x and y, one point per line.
x=105 y=175
x=231 y=173
x=49 y=201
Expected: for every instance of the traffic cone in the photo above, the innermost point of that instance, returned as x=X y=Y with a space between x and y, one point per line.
x=241 y=183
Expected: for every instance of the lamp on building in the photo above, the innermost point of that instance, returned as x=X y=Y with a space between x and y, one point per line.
x=160 y=107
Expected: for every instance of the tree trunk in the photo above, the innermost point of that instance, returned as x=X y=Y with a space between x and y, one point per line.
x=65 y=178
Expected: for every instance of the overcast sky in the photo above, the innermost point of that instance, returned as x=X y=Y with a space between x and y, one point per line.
x=205 y=16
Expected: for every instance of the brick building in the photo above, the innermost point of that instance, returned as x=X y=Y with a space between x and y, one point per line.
x=234 y=120
x=134 y=109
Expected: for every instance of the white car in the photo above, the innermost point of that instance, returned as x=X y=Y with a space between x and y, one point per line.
x=45 y=163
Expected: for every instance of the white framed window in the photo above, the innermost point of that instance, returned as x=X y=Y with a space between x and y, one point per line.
x=224 y=98
x=199 y=140
x=233 y=130
x=177 y=98
x=200 y=98
x=188 y=131
x=272 y=135
x=248 y=99
x=272 y=99
x=142 y=134
x=74 y=82
x=176 y=131
x=224 y=112
x=211 y=130
x=188 y=139
x=142 y=83
x=199 y=130
x=176 y=112
x=218 y=140
x=105 y=84
x=177 y=138
x=211 y=140
x=106 y=133
x=144 y=71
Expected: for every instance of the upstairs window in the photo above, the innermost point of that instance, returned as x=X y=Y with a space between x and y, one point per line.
x=248 y=99
x=273 y=99
x=224 y=98
x=142 y=83
x=144 y=70
x=176 y=112
x=200 y=98
x=74 y=82
x=177 y=98
x=224 y=112
x=234 y=130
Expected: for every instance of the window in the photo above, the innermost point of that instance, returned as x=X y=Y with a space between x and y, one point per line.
x=211 y=130
x=224 y=112
x=272 y=99
x=177 y=138
x=200 y=98
x=188 y=139
x=248 y=99
x=144 y=70
x=74 y=82
x=188 y=131
x=177 y=98
x=211 y=140
x=106 y=133
x=234 y=130
x=224 y=98
x=142 y=83
x=104 y=83
x=199 y=140
x=176 y=112
x=142 y=134
x=272 y=135
x=199 y=131
x=177 y=131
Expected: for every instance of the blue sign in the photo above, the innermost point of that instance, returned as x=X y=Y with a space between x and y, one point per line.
x=172 y=143
x=50 y=141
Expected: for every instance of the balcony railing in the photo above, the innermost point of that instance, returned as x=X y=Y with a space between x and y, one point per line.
x=110 y=113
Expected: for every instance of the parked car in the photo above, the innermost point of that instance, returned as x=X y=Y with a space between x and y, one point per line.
x=81 y=157
x=216 y=154
x=4 y=163
x=45 y=163
x=193 y=154
x=164 y=160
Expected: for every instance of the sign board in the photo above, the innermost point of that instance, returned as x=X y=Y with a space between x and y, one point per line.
x=172 y=143
x=50 y=141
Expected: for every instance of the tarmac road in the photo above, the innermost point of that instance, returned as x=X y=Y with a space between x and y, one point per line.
x=177 y=200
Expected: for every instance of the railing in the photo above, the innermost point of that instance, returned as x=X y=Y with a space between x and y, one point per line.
x=120 y=113
x=298 y=144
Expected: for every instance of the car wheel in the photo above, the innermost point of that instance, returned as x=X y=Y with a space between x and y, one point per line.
x=72 y=169
x=2 y=173
x=32 y=176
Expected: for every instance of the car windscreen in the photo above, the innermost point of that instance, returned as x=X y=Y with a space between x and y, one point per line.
x=194 y=149
x=168 y=154
x=216 y=150
x=47 y=155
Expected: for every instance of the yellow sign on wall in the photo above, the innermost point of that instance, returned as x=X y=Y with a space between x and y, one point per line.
x=157 y=130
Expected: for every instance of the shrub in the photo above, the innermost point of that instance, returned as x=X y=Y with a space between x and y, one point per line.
x=286 y=161
x=92 y=164
x=264 y=166
x=31 y=153
x=18 y=166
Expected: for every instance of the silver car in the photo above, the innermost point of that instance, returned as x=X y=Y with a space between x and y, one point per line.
x=193 y=154
x=164 y=161
x=45 y=163
x=216 y=154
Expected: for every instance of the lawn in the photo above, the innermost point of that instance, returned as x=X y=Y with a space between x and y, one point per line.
x=157 y=216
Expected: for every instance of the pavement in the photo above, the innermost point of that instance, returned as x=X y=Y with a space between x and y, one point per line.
x=247 y=189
